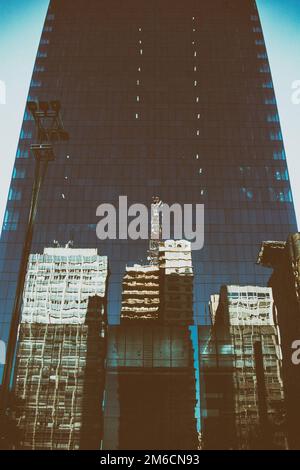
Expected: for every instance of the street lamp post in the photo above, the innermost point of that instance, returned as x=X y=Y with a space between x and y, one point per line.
x=49 y=128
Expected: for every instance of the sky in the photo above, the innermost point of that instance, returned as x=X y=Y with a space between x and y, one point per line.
x=21 y=23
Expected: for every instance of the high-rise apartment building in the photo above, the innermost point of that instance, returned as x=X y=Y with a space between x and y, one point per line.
x=176 y=282
x=60 y=365
x=141 y=294
x=159 y=97
x=60 y=282
x=241 y=363
x=284 y=258
x=161 y=290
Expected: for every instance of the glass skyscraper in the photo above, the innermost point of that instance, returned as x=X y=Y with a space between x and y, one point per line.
x=163 y=99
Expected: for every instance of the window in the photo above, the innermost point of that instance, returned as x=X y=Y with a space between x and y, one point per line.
x=28 y=116
x=276 y=135
x=11 y=219
x=35 y=83
x=259 y=42
x=25 y=134
x=247 y=194
x=281 y=175
x=271 y=100
x=280 y=195
x=264 y=69
x=267 y=85
x=39 y=68
x=245 y=171
x=41 y=54
x=22 y=153
x=279 y=155
x=44 y=41
x=14 y=194
x=273 y=118
x=18 y=173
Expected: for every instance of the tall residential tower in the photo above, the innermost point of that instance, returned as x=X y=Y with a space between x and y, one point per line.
x=60 y=366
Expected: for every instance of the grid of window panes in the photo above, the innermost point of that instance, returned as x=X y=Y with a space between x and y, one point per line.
x=161 y=98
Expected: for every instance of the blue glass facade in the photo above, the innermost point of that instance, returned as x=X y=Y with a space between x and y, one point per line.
x=161 y=98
